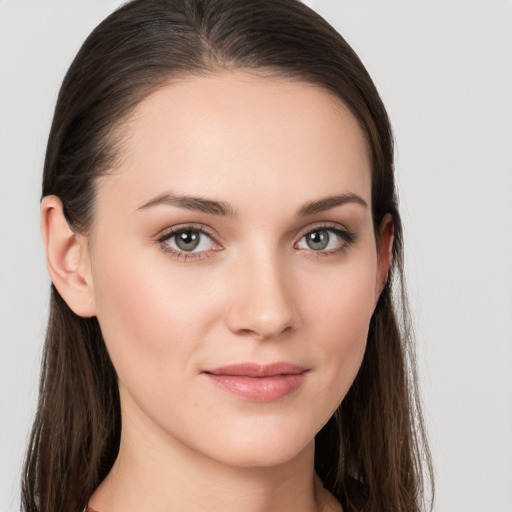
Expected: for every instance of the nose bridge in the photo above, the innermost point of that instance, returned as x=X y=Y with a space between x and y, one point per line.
x=262 y=302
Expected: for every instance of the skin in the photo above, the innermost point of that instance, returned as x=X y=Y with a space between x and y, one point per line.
x=254 y=292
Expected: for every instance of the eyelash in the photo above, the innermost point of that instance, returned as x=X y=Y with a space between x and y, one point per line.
x=347 y=236
x=184 y=255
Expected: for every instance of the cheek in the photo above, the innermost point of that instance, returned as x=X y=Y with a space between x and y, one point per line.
x=345 y=333
x=339 y=310
x=151 y=319
x=341 y=301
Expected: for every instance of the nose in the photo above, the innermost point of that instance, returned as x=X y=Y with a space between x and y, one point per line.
x=262 y=299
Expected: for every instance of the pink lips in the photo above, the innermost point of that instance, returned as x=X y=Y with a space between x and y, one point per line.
x=258 y=383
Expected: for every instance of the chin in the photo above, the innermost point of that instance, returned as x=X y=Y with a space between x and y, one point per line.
x=260 y=457
x=262 y=447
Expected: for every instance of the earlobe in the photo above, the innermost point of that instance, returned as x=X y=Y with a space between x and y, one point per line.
x=67 y=258
x=384 y=253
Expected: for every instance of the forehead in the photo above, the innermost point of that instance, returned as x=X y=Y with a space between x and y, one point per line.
x=233 y=133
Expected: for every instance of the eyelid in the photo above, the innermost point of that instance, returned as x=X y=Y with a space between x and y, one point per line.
x=348 y=236
x=180 y=255
x=167 y=232
x=327 y=225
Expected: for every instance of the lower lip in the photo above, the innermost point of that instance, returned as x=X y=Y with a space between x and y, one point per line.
x=259 y=389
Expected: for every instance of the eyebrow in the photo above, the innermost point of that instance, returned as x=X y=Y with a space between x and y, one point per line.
x=195 y=203
x=212 y=207
x=328 y=203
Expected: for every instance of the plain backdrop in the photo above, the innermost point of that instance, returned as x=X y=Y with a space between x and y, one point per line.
x=444 y=70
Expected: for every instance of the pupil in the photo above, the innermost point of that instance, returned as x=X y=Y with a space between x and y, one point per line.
x=318 y=240
x=187 y=240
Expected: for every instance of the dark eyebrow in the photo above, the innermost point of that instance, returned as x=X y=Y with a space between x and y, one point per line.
x=327 y=203
x=203 y=205
x=195 y=203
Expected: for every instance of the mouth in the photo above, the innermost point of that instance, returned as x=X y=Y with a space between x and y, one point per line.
x=258 y=383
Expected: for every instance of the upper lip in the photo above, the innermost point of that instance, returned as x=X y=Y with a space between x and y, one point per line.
x=257 y=370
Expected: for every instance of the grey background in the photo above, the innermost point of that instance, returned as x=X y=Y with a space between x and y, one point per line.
x=444 y=70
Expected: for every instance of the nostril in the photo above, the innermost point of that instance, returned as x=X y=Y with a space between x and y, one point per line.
x=265 y=331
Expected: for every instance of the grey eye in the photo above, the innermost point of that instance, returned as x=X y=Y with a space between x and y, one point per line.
x=189 y=240
x=325 y=239
x=317 y=240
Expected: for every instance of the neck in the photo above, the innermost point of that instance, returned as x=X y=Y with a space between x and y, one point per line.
x=154 y=472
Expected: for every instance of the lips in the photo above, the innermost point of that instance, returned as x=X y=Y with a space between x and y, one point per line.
x=258 y=383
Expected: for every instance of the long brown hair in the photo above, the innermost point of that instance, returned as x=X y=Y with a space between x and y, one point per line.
x=372 y=454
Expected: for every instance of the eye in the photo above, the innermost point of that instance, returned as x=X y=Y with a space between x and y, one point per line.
x=325 y=239
x=187 y=241
x=190 y=240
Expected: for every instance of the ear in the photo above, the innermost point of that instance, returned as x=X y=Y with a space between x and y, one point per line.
x=67 y=258
x=385 y=238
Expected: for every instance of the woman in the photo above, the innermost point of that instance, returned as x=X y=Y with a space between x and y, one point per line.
x=221 y=230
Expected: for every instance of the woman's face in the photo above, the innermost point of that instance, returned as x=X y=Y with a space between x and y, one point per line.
x=234 y=265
